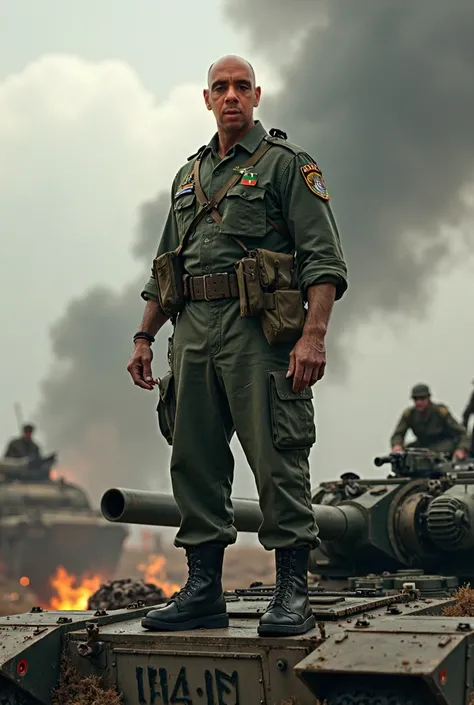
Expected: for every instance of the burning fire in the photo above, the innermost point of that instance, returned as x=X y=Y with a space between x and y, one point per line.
x=70 y=596
x=72 y=592
x=154 y=572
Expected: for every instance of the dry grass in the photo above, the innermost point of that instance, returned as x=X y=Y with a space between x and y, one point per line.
x=74 y=689
x=464 y=606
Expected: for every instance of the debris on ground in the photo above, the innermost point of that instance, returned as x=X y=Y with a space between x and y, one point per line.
x=119 y=594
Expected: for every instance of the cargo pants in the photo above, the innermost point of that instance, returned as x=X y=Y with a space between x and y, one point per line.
x=228 y=378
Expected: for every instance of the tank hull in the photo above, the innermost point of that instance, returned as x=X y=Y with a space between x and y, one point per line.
x=382 y=646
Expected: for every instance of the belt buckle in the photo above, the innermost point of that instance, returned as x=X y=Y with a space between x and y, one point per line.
x=205 y=278
x=204 y=284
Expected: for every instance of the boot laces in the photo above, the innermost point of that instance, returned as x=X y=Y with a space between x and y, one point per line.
x=192 y=583
x=284 y=580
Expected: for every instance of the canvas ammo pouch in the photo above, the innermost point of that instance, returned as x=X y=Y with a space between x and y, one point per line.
x=268 y=288
x=250 y=288
x=168 y=270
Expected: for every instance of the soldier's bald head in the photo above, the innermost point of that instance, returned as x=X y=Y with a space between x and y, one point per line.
x=228 y=61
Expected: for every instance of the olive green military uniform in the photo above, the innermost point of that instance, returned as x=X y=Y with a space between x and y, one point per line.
x=223 y=364
x=465 y=419
x=22 y=448
x=435 y=429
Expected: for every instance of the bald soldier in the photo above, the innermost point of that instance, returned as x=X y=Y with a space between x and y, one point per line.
x=433 y=425
x=250 y=237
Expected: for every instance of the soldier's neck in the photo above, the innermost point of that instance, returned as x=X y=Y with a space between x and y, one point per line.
x=228 y=139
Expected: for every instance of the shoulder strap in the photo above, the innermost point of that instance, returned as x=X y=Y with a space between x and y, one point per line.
x=211 y=206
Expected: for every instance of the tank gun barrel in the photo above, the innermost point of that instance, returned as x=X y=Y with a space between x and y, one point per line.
x=160 y=509
x=382 y=460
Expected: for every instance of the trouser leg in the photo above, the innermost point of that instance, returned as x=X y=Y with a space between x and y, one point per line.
x=275 y=428
x=201 y=462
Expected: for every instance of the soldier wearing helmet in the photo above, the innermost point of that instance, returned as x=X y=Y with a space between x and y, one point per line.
x=24 y=446
x=432 y=424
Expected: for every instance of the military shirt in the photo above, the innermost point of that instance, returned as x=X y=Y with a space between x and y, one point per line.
x=278 y=196
x=436 y=428
x=21 y=448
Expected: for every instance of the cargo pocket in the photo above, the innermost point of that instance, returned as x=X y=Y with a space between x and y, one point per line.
x=244 y=211
x=166 y=408
x=292 y=413
x=184 y=209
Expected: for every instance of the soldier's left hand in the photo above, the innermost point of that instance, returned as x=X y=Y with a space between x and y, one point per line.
x=307 y=362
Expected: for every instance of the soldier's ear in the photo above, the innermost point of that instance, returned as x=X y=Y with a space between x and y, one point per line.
x=258 y=95
x=205 y=94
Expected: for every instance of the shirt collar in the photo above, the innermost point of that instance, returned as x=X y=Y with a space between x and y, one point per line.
x=249 y=142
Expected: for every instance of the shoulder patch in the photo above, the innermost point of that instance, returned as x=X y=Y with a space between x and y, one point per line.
x=313 y=179
x=407 y=412
x=443 y=410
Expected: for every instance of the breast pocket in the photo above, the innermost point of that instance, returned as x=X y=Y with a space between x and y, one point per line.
x=184 y=209
x=244 y=211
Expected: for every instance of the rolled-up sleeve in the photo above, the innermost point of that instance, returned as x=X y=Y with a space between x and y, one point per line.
x=169 y=241
x=312 y=225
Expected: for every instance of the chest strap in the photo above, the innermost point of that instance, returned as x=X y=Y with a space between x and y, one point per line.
x=211 y=207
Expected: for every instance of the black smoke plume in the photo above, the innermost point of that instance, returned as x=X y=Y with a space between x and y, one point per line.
x=381 y=94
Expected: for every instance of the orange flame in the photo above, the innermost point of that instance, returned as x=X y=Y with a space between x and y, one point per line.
x=72 y=592
x=70 y=596
x=154 y=572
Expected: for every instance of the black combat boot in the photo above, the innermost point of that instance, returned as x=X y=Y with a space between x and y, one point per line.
x=200 y=603
x=289 y=611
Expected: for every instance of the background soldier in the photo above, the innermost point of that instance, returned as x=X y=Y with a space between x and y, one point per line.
x=227 y=375
x=433 y=425
x=24 y=446
x=465 y=419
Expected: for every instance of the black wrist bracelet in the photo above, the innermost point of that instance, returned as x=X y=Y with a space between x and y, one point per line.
x=144 y=336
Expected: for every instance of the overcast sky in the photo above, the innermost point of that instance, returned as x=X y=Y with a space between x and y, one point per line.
x=100 y=103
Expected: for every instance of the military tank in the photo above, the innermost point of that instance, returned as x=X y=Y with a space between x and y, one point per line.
x=46 y=523
x=393 y=625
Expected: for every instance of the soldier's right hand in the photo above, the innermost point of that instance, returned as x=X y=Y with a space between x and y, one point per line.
x=397 y=449
x=139 y=365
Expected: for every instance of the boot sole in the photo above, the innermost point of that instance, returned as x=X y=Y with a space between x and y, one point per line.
x=217 y=621
x=286 y=629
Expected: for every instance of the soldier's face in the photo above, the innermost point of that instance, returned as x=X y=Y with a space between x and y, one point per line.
x=421 y=403
x=232 y=95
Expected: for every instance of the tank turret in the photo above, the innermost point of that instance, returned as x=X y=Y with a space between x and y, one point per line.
x=420 y=516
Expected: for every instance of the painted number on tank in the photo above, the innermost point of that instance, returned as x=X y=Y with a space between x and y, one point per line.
x=155 y=686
